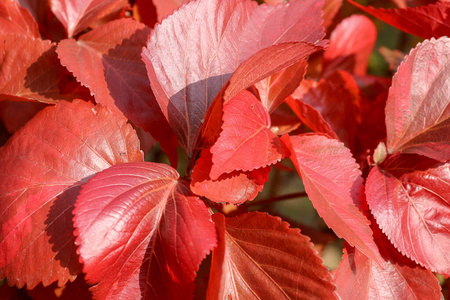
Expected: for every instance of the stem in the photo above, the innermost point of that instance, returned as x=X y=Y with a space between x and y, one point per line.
x=279 y=198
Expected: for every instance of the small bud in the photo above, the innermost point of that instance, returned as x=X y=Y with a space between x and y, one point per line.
x=380 y=153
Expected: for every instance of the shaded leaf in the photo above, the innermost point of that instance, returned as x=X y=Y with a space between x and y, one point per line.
x=141 y=232
x=351 y=44
x=193 y=53
x=77 y=290
x=16 y=19
x=276 y=88
x=30 y=70
x=41 y=169
x=77 y=15
x=333 y=182
x=259 y=256
x=107 y=60
x=283 y=122
x=235 y=187
x=246 y=141
x=409 y=196
x=144 y=11
x=418 y=106
x=424 y=21
x=15 y=114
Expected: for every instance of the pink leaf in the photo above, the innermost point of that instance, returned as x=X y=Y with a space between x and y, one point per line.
x=107 y=60
x=77 y=15
x=259 y=256
x=351 y=44
x=246 y=142
x=424 y=21
x=41 y=169
x=359 y=277
x=16 y=19
x=30 y=70
x=409 y=197
x=141 y=232
x=235 y=187
x=418 y=106
x=333 y=182
x=193 y=53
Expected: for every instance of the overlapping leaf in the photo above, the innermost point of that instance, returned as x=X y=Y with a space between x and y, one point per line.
x=359 y=277
x=141 y=232
x=191 y=55
x=166 y=7
x=30 y=70
x=333 y=183
x=16 y=19
x=259 y=256
x=424 y=21
x=418 y=106
x=351 y=44
x=41 y=169
x=77 y=15
x=108 y=61
x=246 y=141
x=235 y=187
x=409 y=195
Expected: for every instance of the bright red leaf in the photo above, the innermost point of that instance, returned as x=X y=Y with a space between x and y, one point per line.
x=259 y=256
x=30 y=70
x=351 y=44
x=424 y=21
x=246 y=141
x=359 y=277
x=276 y=88
x=334 y=185
x=108 y=61
x=235 y=187
x=409 y=196
x=418 y=106
x=195 y=51
x=41 y=169
x=16 y=19
x=77 y=15
x=141 y=232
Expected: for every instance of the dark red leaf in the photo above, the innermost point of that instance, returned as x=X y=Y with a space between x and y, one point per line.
x=189 y=57
x=259 y=256
x=30 y=70
x=359 y=277
x=333 y=182
x=418 y=106
x=145 y=12
x=77 y=290
x=424 y=21
x=351 y=44
x=276 y=88
x=16 y=114
x=235 y=187
x=246 y=141
x=108 y=61
x=77 y=15
x=41 y=169
x=283 y=122
x=16 y=19
x=141 y=232
x=409 y=196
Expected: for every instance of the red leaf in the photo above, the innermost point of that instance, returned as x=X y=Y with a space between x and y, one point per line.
x=77 y=290
x=333 y=182
x=246 y=142
x=189 y=57
x=409 y=197
x=259 y=256
x=41 y=169
x=235 y=187
x=276 y=88
x=145 y=12
x=141 y=232
x=351 y=44
x=15 y=114
x=283 y=122
x=30 y=70
x=108 y=61
x=17 y=20
x=425 y=21
x=359 y=277
x=77 y=15
x=165 y=8
x=418 y=106
x=330 y=9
